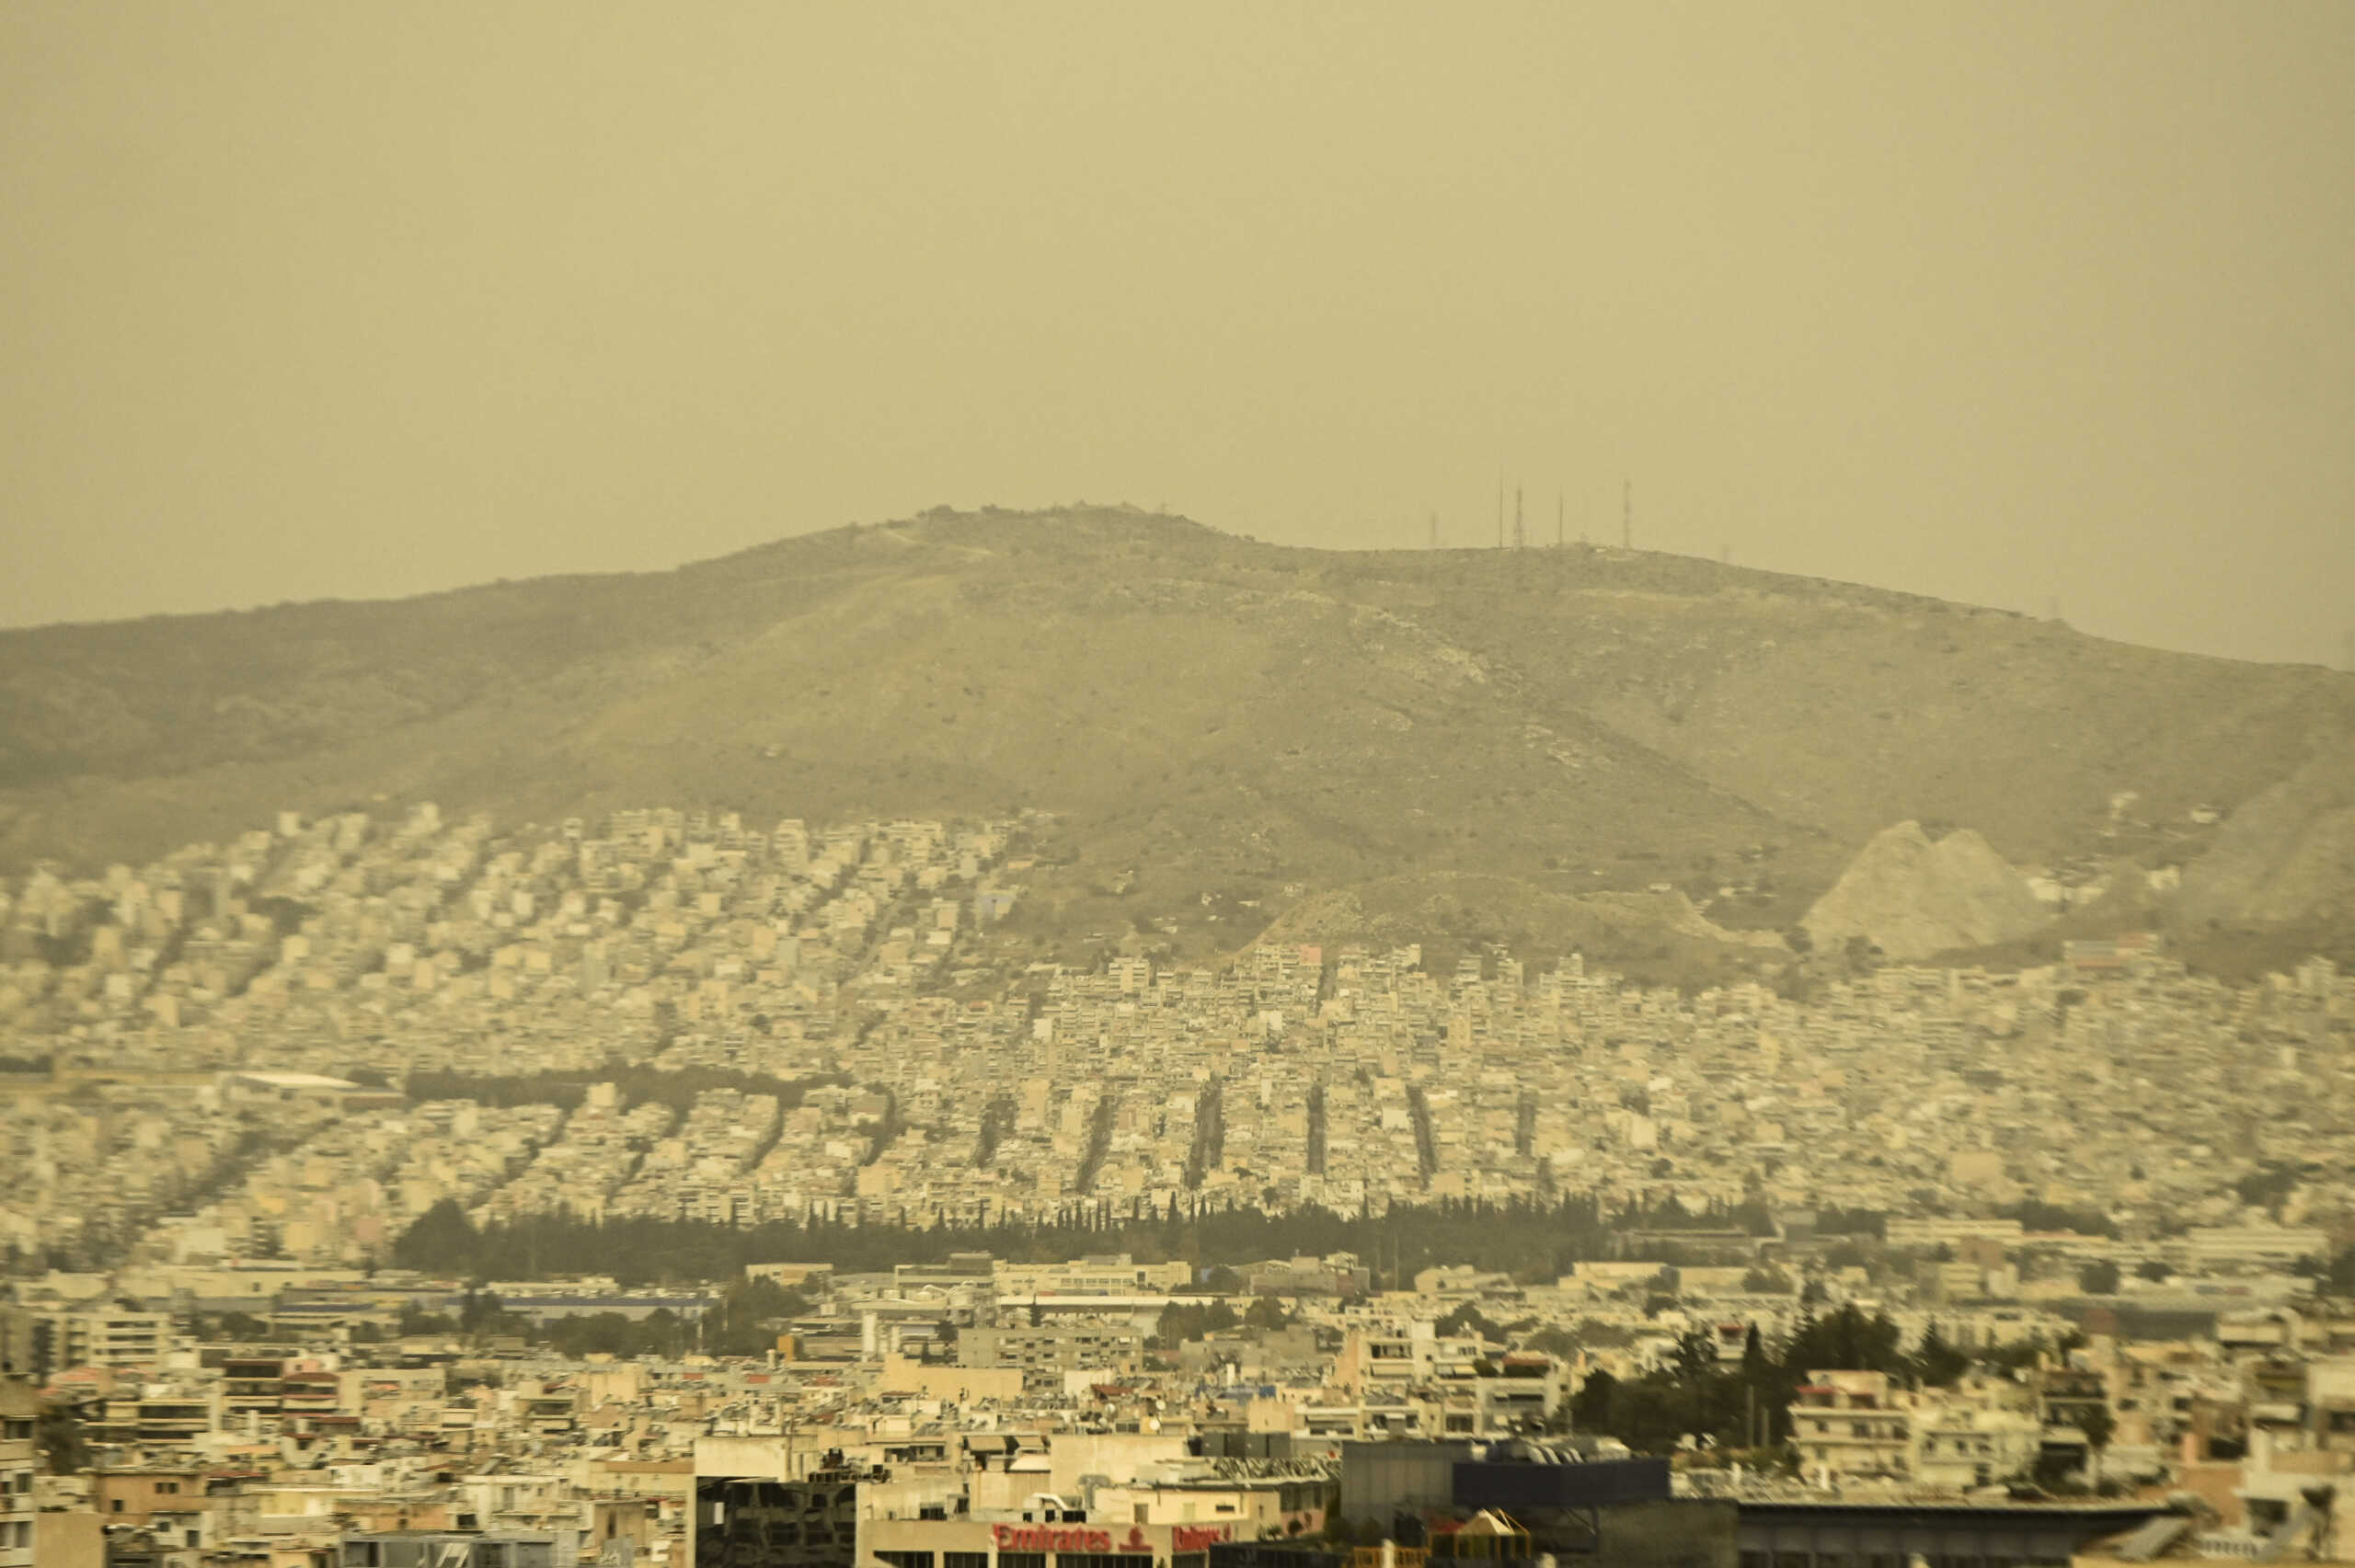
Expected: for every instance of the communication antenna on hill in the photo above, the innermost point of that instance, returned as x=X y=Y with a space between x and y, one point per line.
x=1626 y=514
x=1434 y=531
x=1520 y=536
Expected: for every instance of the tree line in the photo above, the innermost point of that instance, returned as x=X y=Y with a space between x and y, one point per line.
x=1534 y=1239
x=636 y=1083
x=745 y=1321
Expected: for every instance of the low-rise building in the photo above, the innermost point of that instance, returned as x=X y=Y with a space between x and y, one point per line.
x=1849 y=1425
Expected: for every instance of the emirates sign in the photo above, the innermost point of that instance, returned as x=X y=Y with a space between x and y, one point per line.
x=1047 y=1538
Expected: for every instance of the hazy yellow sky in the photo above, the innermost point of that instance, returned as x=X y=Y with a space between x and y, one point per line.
x=2001 y=302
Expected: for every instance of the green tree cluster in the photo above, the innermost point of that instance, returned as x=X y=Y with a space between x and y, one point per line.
x=1745 y=1405
x=2036 y=1216
x=749 y=1316
x=1183 y=1322
x=233 y=1327
x=59 y=1436
x=1265 y=1312
x=660 y=1334
x=1466 y=1321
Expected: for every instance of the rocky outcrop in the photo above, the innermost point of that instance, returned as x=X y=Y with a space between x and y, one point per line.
x=1911 y=897
x=2286 y=857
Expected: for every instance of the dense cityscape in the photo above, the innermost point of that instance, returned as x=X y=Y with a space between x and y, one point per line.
x=1045 y=785
x=373 y=1174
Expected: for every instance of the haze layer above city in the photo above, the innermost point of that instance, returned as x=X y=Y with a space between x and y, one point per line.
x=2027 y=306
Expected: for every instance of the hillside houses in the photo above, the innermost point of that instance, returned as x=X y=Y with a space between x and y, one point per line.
x=811 y=962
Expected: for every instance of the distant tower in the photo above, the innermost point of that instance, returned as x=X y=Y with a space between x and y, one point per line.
x=1520 y=536
x=1434 y=531
x=1500 y=508
x=1626 y=514
x=1561 y=515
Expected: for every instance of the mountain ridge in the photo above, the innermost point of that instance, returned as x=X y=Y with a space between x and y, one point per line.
x=1214 y=716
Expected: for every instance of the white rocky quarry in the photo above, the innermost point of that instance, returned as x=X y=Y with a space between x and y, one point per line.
x=1911 y=896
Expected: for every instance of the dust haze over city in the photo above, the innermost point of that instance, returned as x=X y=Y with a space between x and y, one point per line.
x=1196 y=787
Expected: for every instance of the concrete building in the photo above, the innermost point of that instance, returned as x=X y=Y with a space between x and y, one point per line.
x=1848 y=1424
x=19 y=1410
x=437 y=1549
x=97 y=1337
x=763 y=1503
x=1051 y=1349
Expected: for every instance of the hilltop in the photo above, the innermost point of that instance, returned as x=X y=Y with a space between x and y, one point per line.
x=1226 y=731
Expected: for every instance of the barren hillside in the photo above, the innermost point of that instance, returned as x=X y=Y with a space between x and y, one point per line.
x=1240 y=727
